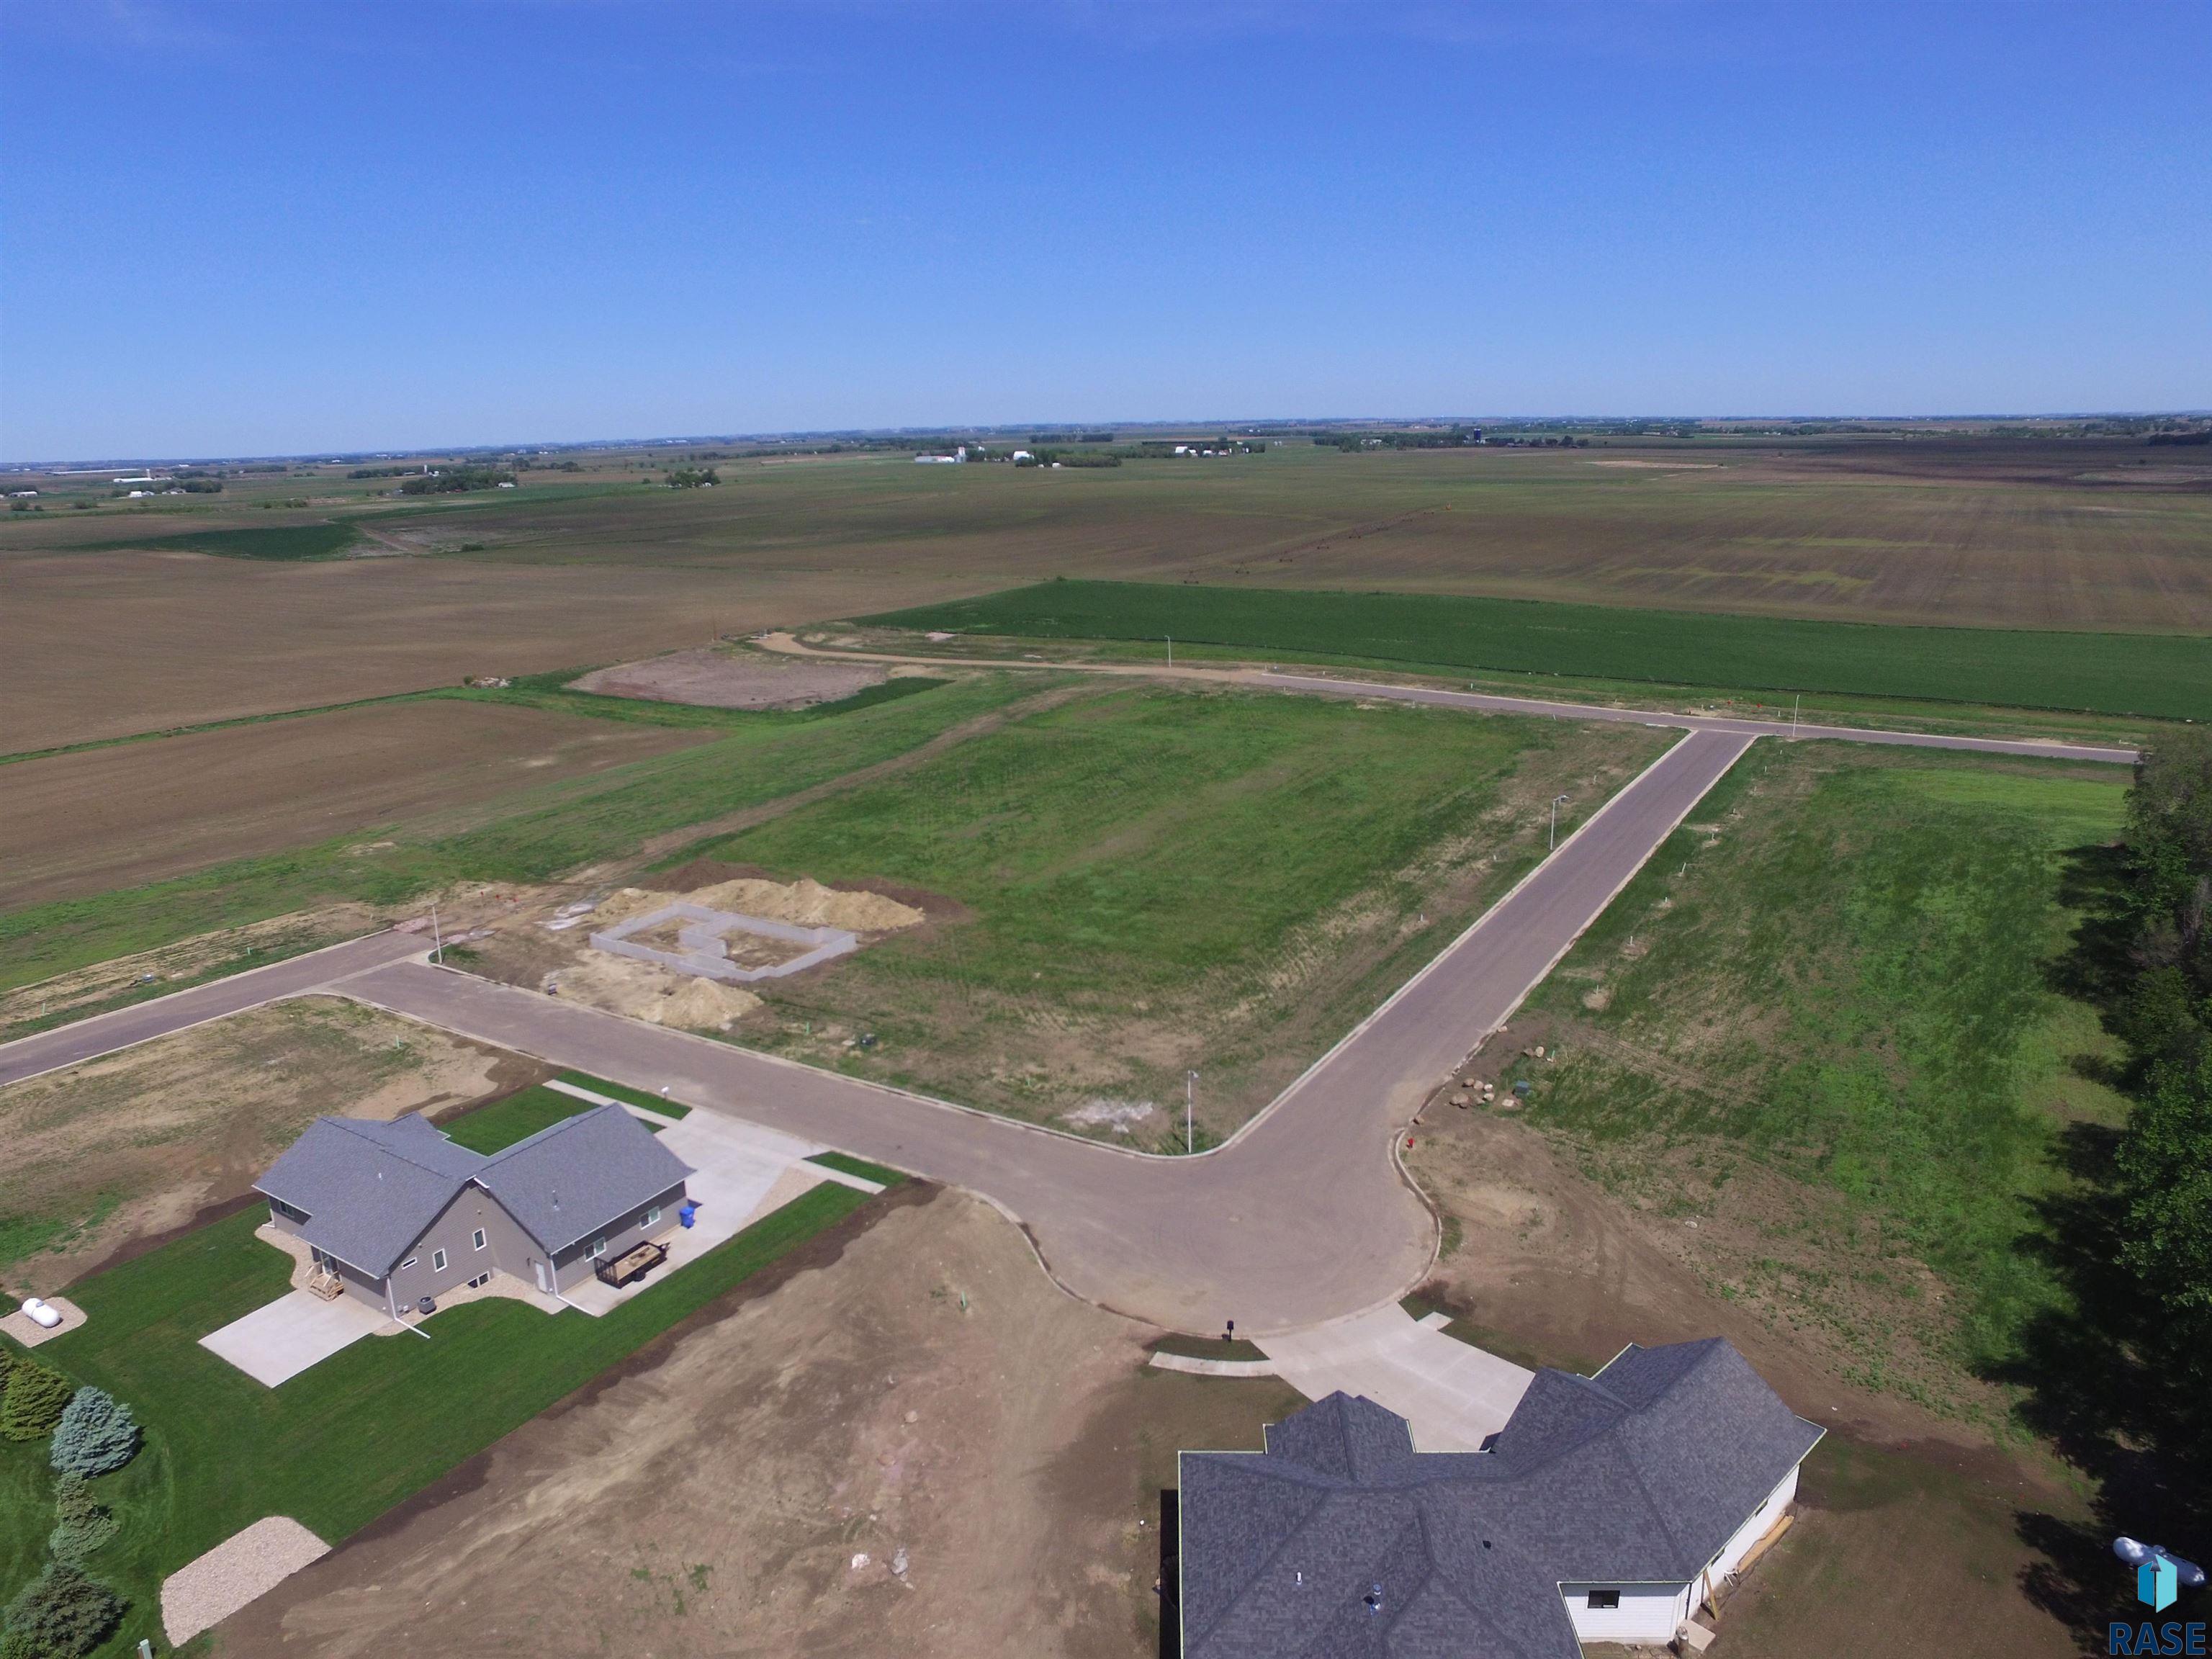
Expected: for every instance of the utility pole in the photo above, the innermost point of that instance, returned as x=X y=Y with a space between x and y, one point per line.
x=1189 y=1103
x=1171 y=650
x=437 y=954
x=1558 y=801
x=1794 y=702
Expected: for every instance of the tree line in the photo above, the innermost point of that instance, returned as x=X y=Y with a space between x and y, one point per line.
x=2164 y=1159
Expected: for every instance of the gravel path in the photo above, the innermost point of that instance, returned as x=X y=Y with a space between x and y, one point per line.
x=205 y=1592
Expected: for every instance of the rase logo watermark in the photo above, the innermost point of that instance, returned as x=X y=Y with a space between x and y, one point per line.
x=2159 y=1580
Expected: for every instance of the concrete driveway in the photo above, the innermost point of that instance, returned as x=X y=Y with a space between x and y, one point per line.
x=1453 y=1394
x=741 y=1172
x=275 y=1343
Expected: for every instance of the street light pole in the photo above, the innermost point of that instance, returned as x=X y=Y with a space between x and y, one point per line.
x=1190 y=1101
x=1558 y=801
x=438 y=953
x=1170 y=638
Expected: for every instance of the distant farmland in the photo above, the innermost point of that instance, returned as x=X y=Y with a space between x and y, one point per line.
x=2162 y=676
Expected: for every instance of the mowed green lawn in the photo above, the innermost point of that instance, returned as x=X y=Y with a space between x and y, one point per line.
x=1844 y=970
x=2164 y=676
x=341 y=1444
x=1163 y=878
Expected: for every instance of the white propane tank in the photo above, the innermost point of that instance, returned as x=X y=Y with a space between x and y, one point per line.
x=41 y=1314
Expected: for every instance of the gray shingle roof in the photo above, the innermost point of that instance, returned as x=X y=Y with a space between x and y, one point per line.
x=369 y=1189
x=568 y=1182
x=1639 y=1475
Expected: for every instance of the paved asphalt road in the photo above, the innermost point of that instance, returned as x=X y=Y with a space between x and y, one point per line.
x=1321 y=686
x=104 y=1034
x=1303 y=1216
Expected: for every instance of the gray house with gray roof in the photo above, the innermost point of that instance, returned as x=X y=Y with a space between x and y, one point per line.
x=396 y=1212
x=1607 y=1509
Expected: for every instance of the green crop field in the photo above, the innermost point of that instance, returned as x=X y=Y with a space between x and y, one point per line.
x=281 y=541
x=1155 y=879
x=341 y=1444
x=1824 y=1016
x=2168 y=676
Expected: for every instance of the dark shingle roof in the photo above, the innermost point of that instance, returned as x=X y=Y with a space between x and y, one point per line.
x=567 y=1182
x=1639 y=1475
x=369 y=1189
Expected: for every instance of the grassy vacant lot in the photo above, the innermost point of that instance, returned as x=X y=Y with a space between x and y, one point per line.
x=2008 y=532
x=1823 y=1025
x=2167 y=676
x=340 y=1444
x=1147 y=880
x=530 y=835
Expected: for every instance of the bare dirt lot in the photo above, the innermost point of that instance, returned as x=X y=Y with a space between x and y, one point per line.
x=922 y=1448
x=134 y=1145
x=103 y=819
x=732 y=679
x=1575 y=1274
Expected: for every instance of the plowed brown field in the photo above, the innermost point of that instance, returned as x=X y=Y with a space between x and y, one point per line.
x=103 y=819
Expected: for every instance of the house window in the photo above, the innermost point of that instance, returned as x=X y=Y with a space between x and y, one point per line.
x=289 y=1211
x=653 y=1216
x=1604 y=1599
x=599 y=1248
x=478 y=1239
x=480 y=1281
x=405 y=1265
x=437 y=1262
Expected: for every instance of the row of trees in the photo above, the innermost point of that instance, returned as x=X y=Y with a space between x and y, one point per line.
x=2164 y=1155
x=65 y=1613
x=449 y=480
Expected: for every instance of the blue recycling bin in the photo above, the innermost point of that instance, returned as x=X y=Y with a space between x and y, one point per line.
x=688 y=1215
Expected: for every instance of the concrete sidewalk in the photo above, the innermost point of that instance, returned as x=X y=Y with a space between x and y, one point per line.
x=1453 y=1395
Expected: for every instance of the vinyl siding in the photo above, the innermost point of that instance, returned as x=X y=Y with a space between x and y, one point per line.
x=1647 y=1613
x=631 y=1229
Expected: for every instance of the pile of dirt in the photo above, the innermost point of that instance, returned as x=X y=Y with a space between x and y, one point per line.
x=639 y=990
x=704 y=1005
x=804 y=903
x=807 y=903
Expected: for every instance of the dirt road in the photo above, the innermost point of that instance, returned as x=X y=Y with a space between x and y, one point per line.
x=1321 y=685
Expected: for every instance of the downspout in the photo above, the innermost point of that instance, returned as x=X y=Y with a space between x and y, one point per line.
x=392 y=1303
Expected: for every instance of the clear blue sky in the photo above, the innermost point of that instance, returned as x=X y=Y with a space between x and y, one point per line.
x=264 y=228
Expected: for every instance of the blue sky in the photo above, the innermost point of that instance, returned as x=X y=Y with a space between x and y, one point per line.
x=261 y=227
